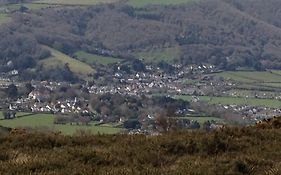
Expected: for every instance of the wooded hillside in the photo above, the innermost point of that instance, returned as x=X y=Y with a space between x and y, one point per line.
x=226 y=33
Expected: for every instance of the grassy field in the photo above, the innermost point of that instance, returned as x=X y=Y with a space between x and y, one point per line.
x=45 y=121
x=277 y=85
x=252 y=93
x=91 y=58
x=31 y=6
x=74 y=2
x=235 y=101
x=59 y=59
x=140 y=3
x=252 y=76
x=168 y=55
x=4 y=18
x=18 y=114
x=278 y=72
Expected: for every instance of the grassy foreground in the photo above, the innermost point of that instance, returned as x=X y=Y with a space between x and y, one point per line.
x=232 y=151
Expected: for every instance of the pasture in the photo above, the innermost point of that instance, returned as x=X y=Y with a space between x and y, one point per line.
x=234 y=101
x=4 y=18
x=31 y=6
x=74 y=2
x=277 y=85
x=141 y=3
x=59 y=59
x=43 y=122
x=167 y=54
x=252 y=93
x=18 y=114
x=251 y=76
x=93 y=59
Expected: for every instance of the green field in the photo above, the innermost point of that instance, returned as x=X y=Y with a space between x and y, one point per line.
x=136 y=3
x=32 y=6
x=277 y=85
x=235 y=101
x=59 y=59
x=251 y=76
x=92 y=59
x=140 y=3
x=74 y=2
x=45 y=121
x=167 y=54
x=18 y=114
x=252 y=93
x=278 y=72
x=4 y=18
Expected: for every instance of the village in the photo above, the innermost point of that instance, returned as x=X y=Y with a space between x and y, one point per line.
x=194 y=82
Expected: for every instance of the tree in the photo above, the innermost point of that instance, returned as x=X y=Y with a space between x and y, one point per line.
x=132 y=124
x=28 y=88
x=207 y=125
x=12 y=91
x=9 y=114
x=6 y=114
x=195 y=125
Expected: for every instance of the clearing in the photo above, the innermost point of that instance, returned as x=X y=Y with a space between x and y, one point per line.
x=93 y=59
x=167 y=54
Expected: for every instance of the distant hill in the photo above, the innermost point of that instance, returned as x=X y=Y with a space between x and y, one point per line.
x=227 y=33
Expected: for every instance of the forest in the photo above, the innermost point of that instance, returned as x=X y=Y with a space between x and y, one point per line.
x=229 y=34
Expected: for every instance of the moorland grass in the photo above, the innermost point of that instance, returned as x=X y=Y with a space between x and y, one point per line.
x=225 y=151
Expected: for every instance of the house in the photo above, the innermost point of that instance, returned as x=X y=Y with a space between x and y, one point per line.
x=37 y=95
x=34 y=95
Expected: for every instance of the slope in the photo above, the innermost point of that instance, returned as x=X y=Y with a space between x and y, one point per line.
x=60 y=59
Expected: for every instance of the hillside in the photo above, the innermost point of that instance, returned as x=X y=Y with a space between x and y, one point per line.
x=229 y=34
x=228 y=151
x=59 y=59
